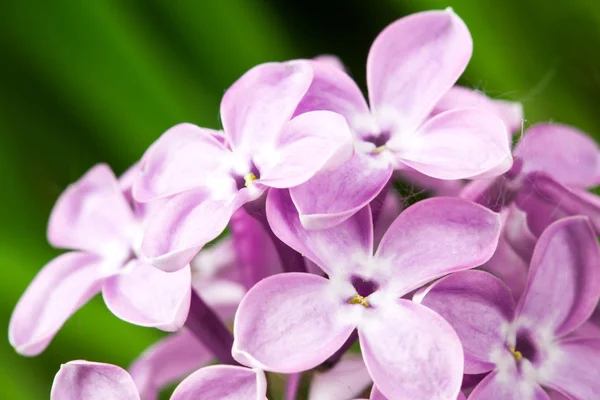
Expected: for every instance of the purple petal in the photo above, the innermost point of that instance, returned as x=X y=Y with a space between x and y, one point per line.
x=458 y=144
x=93 y=215
x=435 y=237
x=377 y=395
x=545 y=201
x=168 y=361
x=146 y=296
x=512 y=387
x=575 y=372
x=334 y=249
x=565 y=153
x=257 y=106
x=126 y=181
x=510 y=112
x=59 y=289
x=289 y=323
x=564 y=277
x=331 y=197
x=411 y=352
x=414 y=61
x=391 y=208
x=185 y=224
x=223 y=382
x=507 y=265
x=346 y=380
x=92 y=381
x=184 y=157
x=332 y=89
x=439 y=187
x=309 y=143
x=477 y=305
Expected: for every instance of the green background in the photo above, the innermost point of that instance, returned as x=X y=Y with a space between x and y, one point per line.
x=83 y=82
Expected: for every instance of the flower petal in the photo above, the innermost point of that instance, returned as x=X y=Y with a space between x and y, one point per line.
x=435 y=237
x=331 y=197
x=564 y=277
x=510 y=112
x=377 y=395
x=309 y=143
x=507 y=265
x=415 y=60
x=168 y=361
x=496 y=386
x=576 y=372
x=457 y=144
x=223 y=382
x=332 y=249
x=92 y=215
x=144 y=295
x=257 y=106
x=93 y=381
x=184 y=157
x=334 y=90
x=185 y=224
x=289 y=323
x=477 y=305
x=411 y=352
x=346 y=380
x=59 y=289
x=545 y=201
x=331 y=60
x=565 y=153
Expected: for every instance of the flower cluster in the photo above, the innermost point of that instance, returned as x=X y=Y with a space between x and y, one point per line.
x=320 y=253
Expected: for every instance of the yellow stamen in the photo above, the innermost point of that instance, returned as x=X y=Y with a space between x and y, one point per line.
x=249 y=178
x=358 y=299
x=379 y=149
x=517 y=354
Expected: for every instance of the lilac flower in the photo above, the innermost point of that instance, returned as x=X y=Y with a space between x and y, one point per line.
x=346 y=380
x=530 y=345
x=93 y=217
x=293 y=322
x=97 y=381
x=410 y=66
x=211 y=177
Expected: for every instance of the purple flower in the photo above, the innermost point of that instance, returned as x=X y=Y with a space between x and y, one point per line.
x=293 y=322
x=530 y=345
x=410 y=66
x=210 y=176
x=98 y=381
x=94 y=218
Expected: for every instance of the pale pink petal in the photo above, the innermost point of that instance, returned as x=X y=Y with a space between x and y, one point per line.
x=126 y=181
x=477 y=305
x=510 y=112
x=144 y=295
x=391 y=208
x=59 y=289
x=289 y=323
x=257 y=106
x=332 y=249
x=435 y=237
x=414 y=61
x=185 y=224
x=346 y=380
x=184 y=157
x=512 y=387
x=411 y=352
x=223 y=382
x=457 y=144
x=168 y=361
x=92 y=215
x=564 y=277
x=565 y=153
x=332 y=89
x=575 y=373
x=507 y=265
x=309 y=143
x=377 y=395
x=330 y=197
x=517 y=232
x=331 y=60
x=79 y=380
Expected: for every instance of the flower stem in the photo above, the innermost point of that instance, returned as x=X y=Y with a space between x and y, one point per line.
x=210 y=330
